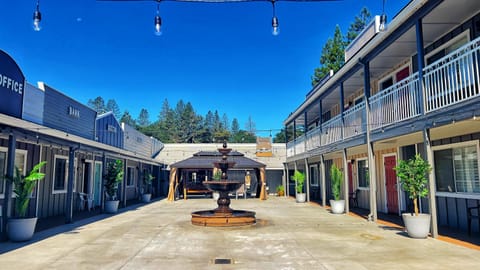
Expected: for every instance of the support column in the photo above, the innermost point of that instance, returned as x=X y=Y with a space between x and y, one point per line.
x=342 y=108
x=421 y=63
x=285 y=179
x=431 y=184
x=370 y=150
x=71 y=179
x=323 y=175
x=345 y=180
x=102 y=186
x=307 y=180
x=6 y=209
x=124 y=183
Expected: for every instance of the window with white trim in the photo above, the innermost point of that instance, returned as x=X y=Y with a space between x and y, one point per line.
x=130 y=176
x=60 y=174
x=362 y=173
x=20 y=162
x=456 y=169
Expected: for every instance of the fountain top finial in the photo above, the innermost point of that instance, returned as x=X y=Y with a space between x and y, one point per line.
x=224 y=143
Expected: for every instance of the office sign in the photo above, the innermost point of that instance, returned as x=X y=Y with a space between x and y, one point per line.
x=12 y=83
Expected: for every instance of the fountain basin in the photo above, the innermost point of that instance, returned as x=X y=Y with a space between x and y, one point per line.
x=223 y=186
x=211 y=218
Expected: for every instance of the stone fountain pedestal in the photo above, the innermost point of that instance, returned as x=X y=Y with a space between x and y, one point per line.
x=223 y=215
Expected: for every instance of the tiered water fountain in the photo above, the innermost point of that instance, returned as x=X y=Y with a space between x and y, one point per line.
x=223 y=215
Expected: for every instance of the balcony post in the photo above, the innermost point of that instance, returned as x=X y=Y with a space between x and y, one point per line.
x=431 y=183
x=421 y=63
x=342 y=109
x=307 y=178
x=70 y=185
x=345 y=180
x=322 y=170
x=7 y=202
x=371 y=153
x=285 y=179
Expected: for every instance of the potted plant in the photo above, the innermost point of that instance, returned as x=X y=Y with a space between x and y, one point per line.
x=20 y=227
x=112 y=178
x=280 y=191
x=337 y=205
x=147 y=185
x=299 y=178
x=413 y=177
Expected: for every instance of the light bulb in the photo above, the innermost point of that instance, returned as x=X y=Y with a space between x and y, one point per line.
x=158 y=25
x=275 y=26
x=37 y=17
x=383 y=23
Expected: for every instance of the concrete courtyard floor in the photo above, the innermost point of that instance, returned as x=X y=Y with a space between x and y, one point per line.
x=287 y=235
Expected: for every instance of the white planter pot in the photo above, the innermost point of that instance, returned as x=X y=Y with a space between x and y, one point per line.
x=146 y=197
x=301 y=197
x=215 y=196
x=337 y=207
x=417 y=226
x=21 y=229
x=111 y=207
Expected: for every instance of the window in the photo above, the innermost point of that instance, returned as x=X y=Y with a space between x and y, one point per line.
x=456 y=169
x=314 y=177
x=60 y=174
x=362 y=172
x=130 y=176
x=20 y=162
x=3 y=161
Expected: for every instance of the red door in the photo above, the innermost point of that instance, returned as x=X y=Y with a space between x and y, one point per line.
x=391 y=184
x=350 y=179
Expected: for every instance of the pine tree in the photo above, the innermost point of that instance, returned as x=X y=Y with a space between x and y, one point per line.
x=225 y=122
x=143 y=118
x=332 y=58
x=235 y=126
x=359 y=23
x=250 y=125
x=112 y=106
x=98 y=104
x=127 y=119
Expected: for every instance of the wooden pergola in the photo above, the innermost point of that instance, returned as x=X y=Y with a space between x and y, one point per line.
x=204 y=160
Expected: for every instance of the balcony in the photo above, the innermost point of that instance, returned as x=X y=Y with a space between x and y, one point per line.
x=450 y=80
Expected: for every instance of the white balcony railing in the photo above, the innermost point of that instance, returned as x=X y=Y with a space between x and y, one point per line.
x=450 y=80
x=397 y=103
x=332 y=130
x=313 y=139
x=354 y=119
x=453 y=78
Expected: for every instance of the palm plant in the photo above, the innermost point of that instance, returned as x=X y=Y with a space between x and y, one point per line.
x=23 y=187
x=299 y=178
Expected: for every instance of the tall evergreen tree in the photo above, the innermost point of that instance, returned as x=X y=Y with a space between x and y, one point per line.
x=217 y=123
x=98 y=104
x=359 y=23
x=225 y=122
x=143 y=118
x=112 y=106
x=235 y=126
x=250 y=125
x=332 y=58
x=127 y=119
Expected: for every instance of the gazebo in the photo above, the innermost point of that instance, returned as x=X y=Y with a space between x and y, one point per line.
x=191 y=172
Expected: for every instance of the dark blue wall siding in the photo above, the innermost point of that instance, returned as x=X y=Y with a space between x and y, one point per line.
x=112 y=136
x=66 y=114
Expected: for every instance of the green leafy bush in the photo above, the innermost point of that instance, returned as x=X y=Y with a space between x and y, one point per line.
x=413 y=177
x=337 y=178
x=299 y=178
x=23 y=187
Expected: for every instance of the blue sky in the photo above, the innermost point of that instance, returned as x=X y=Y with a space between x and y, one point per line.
x=216 y=56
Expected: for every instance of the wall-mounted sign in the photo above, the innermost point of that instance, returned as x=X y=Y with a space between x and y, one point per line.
x=12 y=84
x=73 y=112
